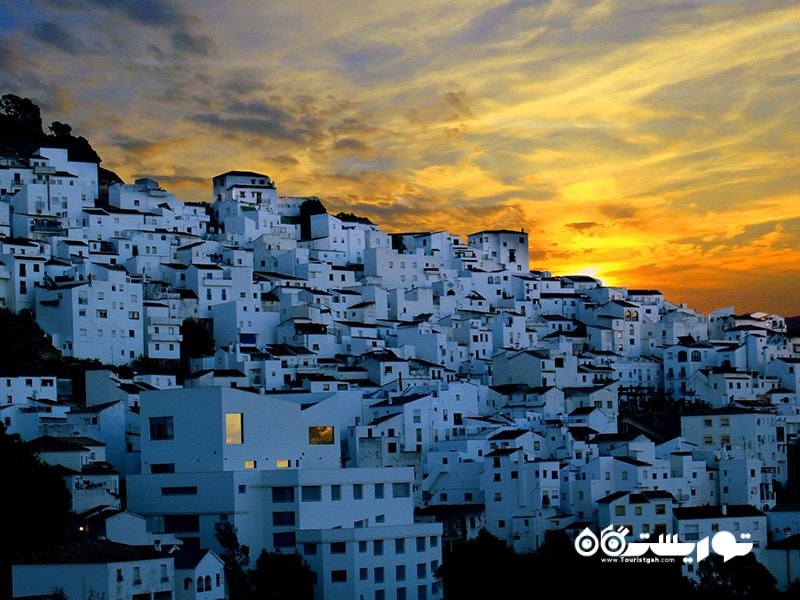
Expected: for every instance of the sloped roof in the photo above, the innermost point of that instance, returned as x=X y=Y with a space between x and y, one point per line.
x=91 y=551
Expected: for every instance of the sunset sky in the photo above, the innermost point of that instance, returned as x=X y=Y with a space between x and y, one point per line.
x=652 y=144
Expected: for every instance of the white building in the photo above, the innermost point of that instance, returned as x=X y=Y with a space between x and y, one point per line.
x=98 y=316
x=87 y=568
x=273 y=467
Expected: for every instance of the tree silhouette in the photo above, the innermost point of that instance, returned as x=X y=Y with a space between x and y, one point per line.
x=236 y=557
x=483 y=567
x=312 y=206
x=36 y=501
x=739 y=578
x=20 y=118
x=279 y=576
x=197 y=340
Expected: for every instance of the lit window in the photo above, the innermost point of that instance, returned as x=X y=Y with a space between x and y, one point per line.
x=320 y=435
x=234 y=433
x=282 y=463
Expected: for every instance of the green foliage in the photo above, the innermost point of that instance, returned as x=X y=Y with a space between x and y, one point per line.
x=36 y=501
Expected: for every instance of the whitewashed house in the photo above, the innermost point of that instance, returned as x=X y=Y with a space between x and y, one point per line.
x=99 y=316
x=92 y=568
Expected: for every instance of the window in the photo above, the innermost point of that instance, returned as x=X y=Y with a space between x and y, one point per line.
x=338 y=548
x=157 y=468
x=400 y=572
x=358 y=491
x=285 y=517
x=422 y=570
x=377 y=547
x=363 y=573
x=234 y=432
x=378 y=491
x=336 y=492
x=311 y=493
x=285 y=539
x=661 y=509
x=161 y=428
x=282 y=494
x=320 y=435
x=619 y=511
x=400 y=546
x=102 y=313
x=401 y=490
x=421 y=544
x=250 y=464
x=183 y=490
x=378 y=573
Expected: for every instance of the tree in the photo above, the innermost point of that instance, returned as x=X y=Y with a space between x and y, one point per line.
x=20 y=115
x=60 y=130
x=25 y=348
x=236 y=557
x=197 y=341
x=741 y=577
x=353 y=218
x=484 y=567
x=312 y=206
x=36 y=501
x=279 y=576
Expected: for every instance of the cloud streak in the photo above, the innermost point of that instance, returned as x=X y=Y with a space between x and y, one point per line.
x=653 y=144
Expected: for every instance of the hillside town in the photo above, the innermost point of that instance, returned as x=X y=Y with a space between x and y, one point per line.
x=372 y=397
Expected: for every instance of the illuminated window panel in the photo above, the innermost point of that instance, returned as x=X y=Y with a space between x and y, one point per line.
x=234 y=431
